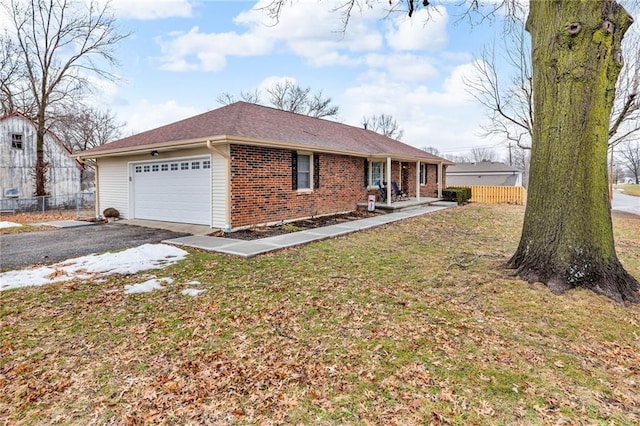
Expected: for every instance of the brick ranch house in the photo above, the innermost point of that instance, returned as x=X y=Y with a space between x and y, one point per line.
x=245 y=164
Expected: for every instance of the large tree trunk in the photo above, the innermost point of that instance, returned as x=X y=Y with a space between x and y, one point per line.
x=567 y=238
x=40 y=171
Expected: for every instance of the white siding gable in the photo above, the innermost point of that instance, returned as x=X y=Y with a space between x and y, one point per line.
x=17 y=164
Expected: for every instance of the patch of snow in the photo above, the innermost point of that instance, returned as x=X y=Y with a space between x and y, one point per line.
x=193 y=292
x=147 y=286
x=126 y=262
x=194 y=282
x=5 y=224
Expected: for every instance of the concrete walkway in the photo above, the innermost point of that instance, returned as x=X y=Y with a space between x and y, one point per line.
x=251 y=248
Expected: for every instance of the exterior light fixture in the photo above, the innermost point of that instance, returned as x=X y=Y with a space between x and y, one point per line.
x=154 y=153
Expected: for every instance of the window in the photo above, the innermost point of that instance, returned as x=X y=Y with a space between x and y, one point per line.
x=195 y=165
x=16 y=140
x=138 y=169
x=423 y=174
x=155 y=168
x=206 y=164
x=304 y=171
x=146 y=168
x=184 y=166
x=164 y=167
x=174 y=166
x=377 y=173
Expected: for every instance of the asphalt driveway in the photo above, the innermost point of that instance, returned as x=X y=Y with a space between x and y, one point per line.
x=29 y=248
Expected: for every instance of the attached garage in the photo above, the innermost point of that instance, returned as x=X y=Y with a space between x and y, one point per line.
x=177 y=190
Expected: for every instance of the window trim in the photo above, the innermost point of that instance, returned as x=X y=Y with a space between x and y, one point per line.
x=424 y=177
x=310 y=172
x=383 y=173
x=13 y=145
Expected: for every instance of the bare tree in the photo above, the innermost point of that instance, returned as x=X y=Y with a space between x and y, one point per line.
x=510 y=109
x=288 y=96
x=84 y=127
x=508 y=102
x=567 y=236
x=479 y=154
x=624 y=122
x=384 y=124
x=11 y=72
x=520 y=159
x=629 y=153
x=431 y=149
x=228 y=98
x=61 y=43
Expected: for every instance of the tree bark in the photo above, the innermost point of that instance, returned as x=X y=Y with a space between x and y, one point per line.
x=567 y=237
x=40 y=171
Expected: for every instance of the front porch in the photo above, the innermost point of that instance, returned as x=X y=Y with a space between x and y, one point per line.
x=400 y=205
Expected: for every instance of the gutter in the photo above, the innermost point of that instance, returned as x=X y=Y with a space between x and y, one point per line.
x=211 y=142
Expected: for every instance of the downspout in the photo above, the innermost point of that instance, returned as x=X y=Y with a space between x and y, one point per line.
x=418 y=180
x=388 y=188
x=440 y=179
x=227 y=161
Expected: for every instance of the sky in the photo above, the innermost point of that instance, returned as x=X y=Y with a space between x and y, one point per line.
x=181 y=55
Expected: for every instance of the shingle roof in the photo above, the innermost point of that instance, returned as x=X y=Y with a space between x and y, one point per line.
x=259 y=123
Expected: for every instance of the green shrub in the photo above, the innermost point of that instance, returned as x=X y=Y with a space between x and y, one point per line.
x=458 y=194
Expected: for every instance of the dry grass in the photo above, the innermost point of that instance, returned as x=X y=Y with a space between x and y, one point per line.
x=412 y=323
x=629 y=189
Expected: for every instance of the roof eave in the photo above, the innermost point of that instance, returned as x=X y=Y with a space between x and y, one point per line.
x=226 y=139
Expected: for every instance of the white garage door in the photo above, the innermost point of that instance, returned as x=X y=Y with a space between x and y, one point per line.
x=173 y=191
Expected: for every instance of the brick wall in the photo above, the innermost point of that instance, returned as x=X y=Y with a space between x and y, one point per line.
x=431 y=187
x=261 y=189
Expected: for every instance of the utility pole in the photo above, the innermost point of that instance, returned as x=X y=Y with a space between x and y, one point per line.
x=510 y=158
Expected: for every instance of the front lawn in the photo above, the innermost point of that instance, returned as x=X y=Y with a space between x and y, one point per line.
x=629 y=189
x=415 y=322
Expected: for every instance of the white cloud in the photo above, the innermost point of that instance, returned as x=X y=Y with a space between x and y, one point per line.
x=403 y=66
x=195 y=50
x=320 y=40
x=426 y=30
x=146 y=115
x=152 y=9
x=429 y=116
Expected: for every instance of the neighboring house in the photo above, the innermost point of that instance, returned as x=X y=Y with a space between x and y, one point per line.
x=483 y=173
x=245 y=164
x=18 y=161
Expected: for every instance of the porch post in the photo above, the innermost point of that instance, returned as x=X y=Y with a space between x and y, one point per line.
x=418 y=180
x=388 y=178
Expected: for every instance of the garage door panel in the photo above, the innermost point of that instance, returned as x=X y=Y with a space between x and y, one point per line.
x=174 y=191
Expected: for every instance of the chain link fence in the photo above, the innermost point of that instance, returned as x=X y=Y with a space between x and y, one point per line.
x=82 y=201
